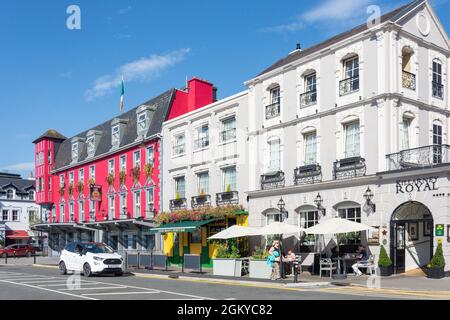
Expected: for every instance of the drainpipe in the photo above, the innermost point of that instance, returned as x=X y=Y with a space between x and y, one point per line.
x=159 y=244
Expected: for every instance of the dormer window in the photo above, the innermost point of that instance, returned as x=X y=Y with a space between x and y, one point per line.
x=143 y=119
x=90 y=141
x=75 y=151
x=115 y=136
x=10 y=194
x=142 y=122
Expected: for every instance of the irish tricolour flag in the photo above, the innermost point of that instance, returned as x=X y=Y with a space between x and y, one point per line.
x=122 y=92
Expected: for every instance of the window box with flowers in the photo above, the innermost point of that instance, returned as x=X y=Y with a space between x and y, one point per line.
x=122 y=177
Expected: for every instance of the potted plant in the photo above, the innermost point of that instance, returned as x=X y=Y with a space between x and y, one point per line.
x=110 y=179
x=435 y=269
x=136 y=173
x=80 y=187
x=70 y=190
x=62 y=189
x=385 y=263
x=91 y=181
x=258 y=266
x=227 y=260
x=122 y=177
x=148 y=169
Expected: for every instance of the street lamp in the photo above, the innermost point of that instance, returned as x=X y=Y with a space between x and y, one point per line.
x=282 y=207
x=368 y=195
x=318 y=201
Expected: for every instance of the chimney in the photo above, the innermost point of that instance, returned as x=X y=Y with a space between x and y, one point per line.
x=200 y=93
x=298 y=47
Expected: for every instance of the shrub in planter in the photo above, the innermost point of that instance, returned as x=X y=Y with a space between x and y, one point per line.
x=385 y=263
x=435 y=269
x=227 y=262
x=258 y=266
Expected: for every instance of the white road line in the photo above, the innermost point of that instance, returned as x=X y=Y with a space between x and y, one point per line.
x=116 y=293
x=61 y=284
x=50 y=290
x=44 y=281
x=24 y=279
x=93 y=288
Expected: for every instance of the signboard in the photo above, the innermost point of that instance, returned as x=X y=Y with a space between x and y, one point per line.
x=440 y=230
x=96 y=193
x=418 y=185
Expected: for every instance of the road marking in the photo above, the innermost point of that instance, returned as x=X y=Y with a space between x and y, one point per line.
x=388 y=292
x=119 y=293
x=93 y=288
x=44 y=281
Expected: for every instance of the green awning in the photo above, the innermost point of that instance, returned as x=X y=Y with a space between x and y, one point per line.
x=183 y=226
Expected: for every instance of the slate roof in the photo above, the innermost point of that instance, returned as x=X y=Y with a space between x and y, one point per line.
x=391 y=16
x=162 y=104
x=15 y=180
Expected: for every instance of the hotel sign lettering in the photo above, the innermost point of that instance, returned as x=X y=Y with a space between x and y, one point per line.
x=418 y=185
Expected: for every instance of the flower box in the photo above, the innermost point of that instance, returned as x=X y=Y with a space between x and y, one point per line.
x=227 y=267
x=259 y=269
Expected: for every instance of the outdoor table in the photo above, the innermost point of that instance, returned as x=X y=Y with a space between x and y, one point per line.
x=344 y=260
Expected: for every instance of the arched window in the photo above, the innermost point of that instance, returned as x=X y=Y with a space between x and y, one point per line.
x=273 y=109
x=351 y=128
x=408 y=78
x=350 y=82
x=309 y=97
x=437 y=86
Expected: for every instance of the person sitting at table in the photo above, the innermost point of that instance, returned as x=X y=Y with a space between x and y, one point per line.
x=289 y=260
x=362 y=260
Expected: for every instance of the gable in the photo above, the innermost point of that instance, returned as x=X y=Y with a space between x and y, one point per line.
x=423 y=23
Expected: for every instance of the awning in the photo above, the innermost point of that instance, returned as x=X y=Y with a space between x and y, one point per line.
x=183 y=226
x=17 y=234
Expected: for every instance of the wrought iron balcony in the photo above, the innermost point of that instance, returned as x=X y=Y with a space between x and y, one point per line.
x=273 y=110
x=201 y=143
x=227 y=198
x=438 y=90
x=150 y=213
x=272 y=180
x=178 y=204
x=179 y=149
x=349 y=168
x=408 y=80
x=227 y=135
x=308 y=174
x=348 y=85
x=427 y=156
x=201 y=201
x=308 y=98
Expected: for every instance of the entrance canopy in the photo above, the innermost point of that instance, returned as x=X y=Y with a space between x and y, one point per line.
x=183 y=226
x=124 y=224
x=17 y=234
x=60 y=227
x=337 y=226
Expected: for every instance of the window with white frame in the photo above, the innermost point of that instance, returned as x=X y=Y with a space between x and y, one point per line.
x=92 y=172
x=49 y=183
x=75 y=151
x=81 y=210
x=31 y=194
x=71 y=177
x=274 y=216
x=5 y=215
x=91 y=208
x=137 y=158
x=149 y=206
x=273 y=109
x=71 y=212
x=61 y=213
x=274 y=155
x=228 y=129
x=309 y=97
x=111 y=166
x=137 y=203
x=437 y=86
x=123 y=204
x=142 y=122
x=150 y=159
x=202 y=137
x=406 y=124
x=179 y=144
x=437 y=142
x=351 y=76
x=203 y=183
x=61 y=180
x=123 y=163
x=352 y=138
x=115 y=136
x=15 y=215
x=49 y=157
x=310 y=82
x=180 y=187
x=81 y=175
x=352 y=214
x=111 y=207
x=90 y=142
x=229 y=179
x=307 y=219
x=310 y=140
x=275 y=95
x=10 y=194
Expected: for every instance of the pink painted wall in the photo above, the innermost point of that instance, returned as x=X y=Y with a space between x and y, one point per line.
x=42 y=170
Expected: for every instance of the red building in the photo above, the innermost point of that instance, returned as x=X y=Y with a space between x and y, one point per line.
x=103 y=184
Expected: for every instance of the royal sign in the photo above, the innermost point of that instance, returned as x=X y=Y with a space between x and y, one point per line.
x=418 y=185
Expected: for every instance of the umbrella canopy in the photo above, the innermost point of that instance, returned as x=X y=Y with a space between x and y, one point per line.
x=337 y=226
x=278 y=228
x=233 y=232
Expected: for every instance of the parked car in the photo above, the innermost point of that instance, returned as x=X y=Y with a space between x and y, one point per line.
x=90 y=258
x=17 y=250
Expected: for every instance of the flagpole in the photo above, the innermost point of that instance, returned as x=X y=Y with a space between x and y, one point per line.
x=122 y=93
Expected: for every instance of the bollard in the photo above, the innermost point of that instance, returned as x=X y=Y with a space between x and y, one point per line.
x=34 y=258
x=6 y=258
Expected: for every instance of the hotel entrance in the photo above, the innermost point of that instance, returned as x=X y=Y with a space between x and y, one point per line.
x=411 y=236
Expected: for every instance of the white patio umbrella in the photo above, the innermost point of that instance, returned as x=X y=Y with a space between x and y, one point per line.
x=233 y=232
x=278 y=228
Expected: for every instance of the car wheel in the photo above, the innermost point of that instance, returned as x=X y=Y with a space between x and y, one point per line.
x=87 y=270
x=62 y=268
x=118 y=274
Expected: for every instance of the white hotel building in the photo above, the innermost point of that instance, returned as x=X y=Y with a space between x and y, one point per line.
x=357 y=126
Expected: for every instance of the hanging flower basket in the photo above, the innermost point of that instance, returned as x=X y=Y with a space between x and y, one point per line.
x=80 y=187
x=122 y=177
x=136 y=173
x=148 y=169
x=206 y=213
x=110 y=179
x=91 y=181
x=71 y=189
x=62 y=190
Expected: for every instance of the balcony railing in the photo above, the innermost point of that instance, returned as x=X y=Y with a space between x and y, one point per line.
x=272 y=180
x=201 y=143
x=273 y=110
x=227 y=198
x=427 y=156
x=308 y=99
x=438 y=90
x=178 y=204
x=150 y=212
x=408 y=80
x=201 y=201
x=227 y=135
x=349 y=168
x=348 y=85
x=308 y=174
x=179 y=149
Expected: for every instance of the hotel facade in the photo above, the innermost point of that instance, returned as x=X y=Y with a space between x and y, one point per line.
x=357 y=127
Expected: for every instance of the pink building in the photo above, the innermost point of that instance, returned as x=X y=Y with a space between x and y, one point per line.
x=103 y=184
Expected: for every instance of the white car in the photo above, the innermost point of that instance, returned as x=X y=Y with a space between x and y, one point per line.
x=90 y=258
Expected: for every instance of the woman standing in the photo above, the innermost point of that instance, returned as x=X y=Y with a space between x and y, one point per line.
x=274 y=260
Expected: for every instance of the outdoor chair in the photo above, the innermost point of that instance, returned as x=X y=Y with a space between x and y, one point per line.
x=308 y=261
x=327 y=265
x=369 y=265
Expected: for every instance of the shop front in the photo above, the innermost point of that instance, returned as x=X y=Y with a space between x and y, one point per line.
x=191 y=236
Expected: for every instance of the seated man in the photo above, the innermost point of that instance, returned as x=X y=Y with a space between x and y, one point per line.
x=362 y=260
x=289 y=260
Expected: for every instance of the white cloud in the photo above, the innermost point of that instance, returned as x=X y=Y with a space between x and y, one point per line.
x=142 y=69
x=336 y=10
x=125 y=10
x=24 y=166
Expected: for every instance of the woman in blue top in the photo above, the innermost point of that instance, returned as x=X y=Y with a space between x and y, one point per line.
x=274 y=260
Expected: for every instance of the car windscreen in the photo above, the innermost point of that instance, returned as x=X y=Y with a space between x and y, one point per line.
x=97 y=248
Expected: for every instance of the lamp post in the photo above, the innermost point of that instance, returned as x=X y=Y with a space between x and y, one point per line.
x=282 y=207
x=318 y=201
x=368 y=195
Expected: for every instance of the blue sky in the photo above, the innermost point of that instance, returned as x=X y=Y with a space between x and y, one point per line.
x=52 y=77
